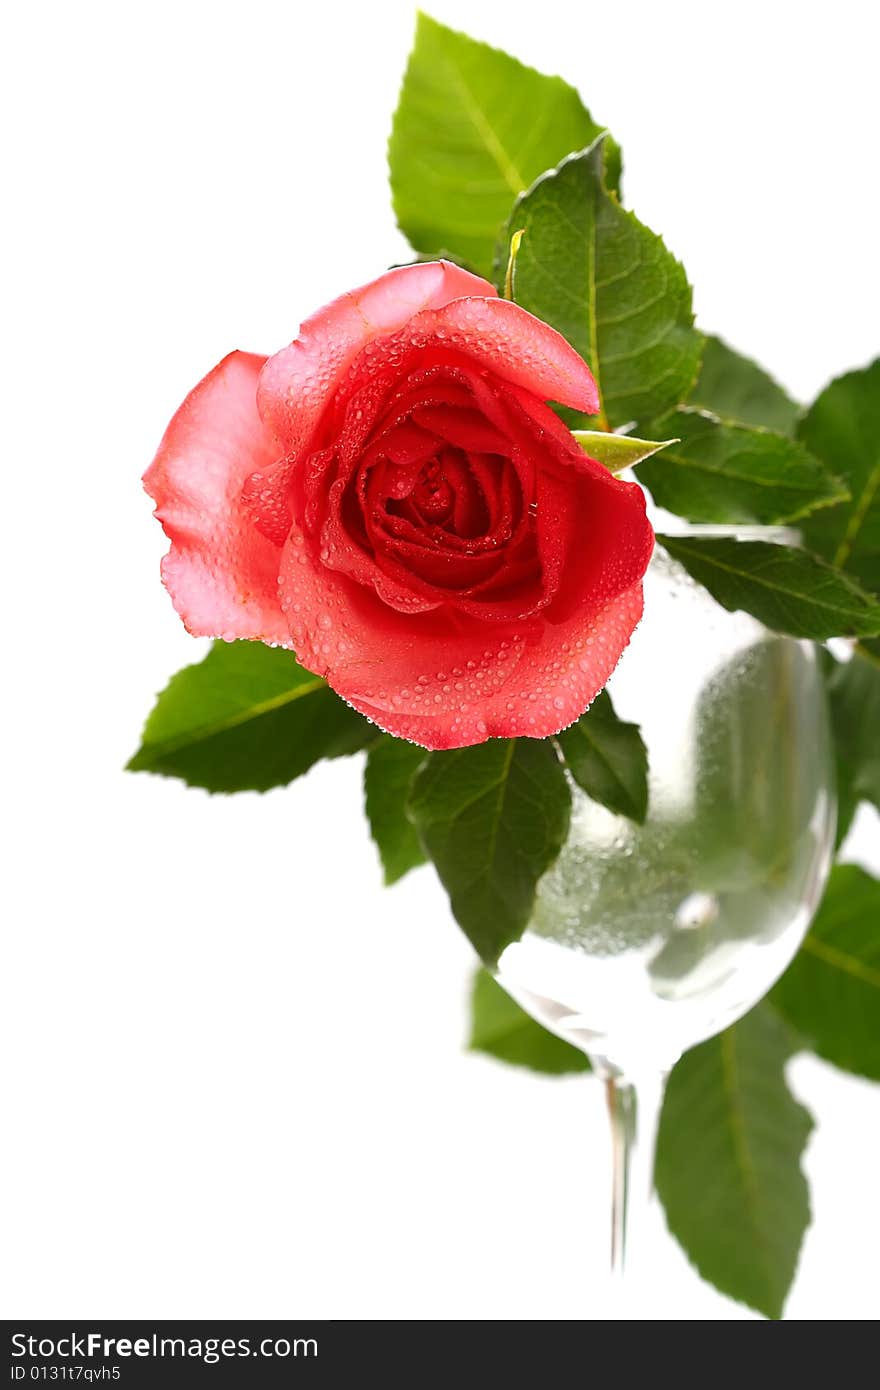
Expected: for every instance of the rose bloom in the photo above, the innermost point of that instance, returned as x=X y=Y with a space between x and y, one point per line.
x=392 y=497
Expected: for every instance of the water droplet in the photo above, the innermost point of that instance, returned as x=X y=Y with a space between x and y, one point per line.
x=696 y=910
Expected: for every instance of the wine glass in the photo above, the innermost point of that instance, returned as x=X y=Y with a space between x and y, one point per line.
x=647 y=939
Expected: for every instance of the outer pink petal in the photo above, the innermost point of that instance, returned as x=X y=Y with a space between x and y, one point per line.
x=399 y=665
x=518 y=348
x=551 y=684
x=221 y=573
x=298 y=381
x=445 y=682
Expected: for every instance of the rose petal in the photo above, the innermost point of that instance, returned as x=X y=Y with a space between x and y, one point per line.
x=221 y=573
x=550 y=685
x=374 y=653
x=517 y=347
x=339 y=551
x=591 y=526
x=464 y=429
x=298 y=381
x=404 y=445
x=447 y=572
x=444 y=679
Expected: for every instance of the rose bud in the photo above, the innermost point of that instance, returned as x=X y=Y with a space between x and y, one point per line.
x=392 y=497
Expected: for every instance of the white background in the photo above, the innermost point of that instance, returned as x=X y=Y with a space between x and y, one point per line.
x=233 y=1068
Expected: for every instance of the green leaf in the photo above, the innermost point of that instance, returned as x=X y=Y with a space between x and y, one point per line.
x=473 y=128
x=728 y=473
x=786 y=589
x=736 y=388
x=492 y=818
x=870 y=649
x=611 y=288
x=502 y=1029
x=728 y=1162
x=854 y=688
x=247 y=718
x=842 y=427
x=391 y=766
x=608 y=759
x=617 y=452
x=831 y=991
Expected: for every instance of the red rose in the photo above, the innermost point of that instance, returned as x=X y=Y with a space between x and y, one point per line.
x=392 y=497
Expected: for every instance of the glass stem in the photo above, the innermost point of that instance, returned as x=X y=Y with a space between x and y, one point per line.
x=634 y=1111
